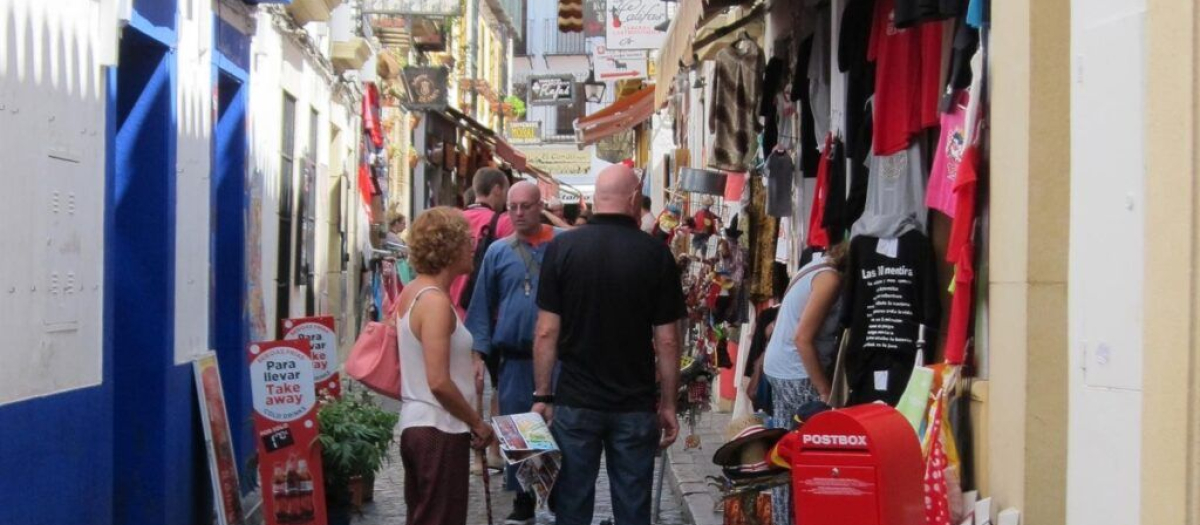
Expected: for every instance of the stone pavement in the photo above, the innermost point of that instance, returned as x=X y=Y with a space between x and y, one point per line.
x=388 y=506
x=690 y=469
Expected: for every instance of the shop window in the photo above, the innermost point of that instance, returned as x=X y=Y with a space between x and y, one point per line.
x=306 y=215
x=564 y=122
x=283 y=261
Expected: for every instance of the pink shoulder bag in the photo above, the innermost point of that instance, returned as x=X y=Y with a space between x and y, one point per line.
x=375 y=359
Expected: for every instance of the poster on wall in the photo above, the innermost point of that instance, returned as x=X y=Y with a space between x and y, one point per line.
x=522 y=132
x=593 y=18
x=633 y=24
x=412 y=7
x=551 y=90
x=322 y=339
x=426 y=87
x=285 y=423
x=617 y=64
x=222 y=464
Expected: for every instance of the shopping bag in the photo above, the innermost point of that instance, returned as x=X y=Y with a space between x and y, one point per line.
x=937 y=504
x=914 y=402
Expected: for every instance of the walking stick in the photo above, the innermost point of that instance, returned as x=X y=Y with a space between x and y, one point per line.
x=483 y=466
x=662 y=469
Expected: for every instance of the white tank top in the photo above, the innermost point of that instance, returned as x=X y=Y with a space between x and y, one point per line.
x=419 y=408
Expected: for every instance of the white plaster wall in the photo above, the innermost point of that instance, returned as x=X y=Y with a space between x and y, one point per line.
x=194 y=110
x=52 y=140
x=280 y=65
x=1106 y=262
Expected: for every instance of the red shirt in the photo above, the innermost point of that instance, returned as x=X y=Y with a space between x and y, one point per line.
x=961 y=251
x=478 y=217
x=908 y=66
x=817 y=236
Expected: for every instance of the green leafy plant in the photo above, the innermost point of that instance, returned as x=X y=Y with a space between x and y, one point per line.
x=355 y=437
x=517 y=105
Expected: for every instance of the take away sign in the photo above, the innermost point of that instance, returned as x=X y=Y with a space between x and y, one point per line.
x=322 y=338
x=285 y=423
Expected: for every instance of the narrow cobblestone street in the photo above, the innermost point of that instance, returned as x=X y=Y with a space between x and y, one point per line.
x=388 y=505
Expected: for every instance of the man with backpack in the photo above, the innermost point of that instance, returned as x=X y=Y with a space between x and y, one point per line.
x=488 y=223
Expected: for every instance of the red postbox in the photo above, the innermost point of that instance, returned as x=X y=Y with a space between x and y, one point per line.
x=858 y=466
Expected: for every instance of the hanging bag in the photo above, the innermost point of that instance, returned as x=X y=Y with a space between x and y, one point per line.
x=375 y=359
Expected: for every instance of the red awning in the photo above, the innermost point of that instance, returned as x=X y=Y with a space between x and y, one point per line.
x=621 y=115
x=511 y=155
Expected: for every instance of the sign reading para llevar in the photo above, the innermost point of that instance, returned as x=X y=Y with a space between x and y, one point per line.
x=285 y=422
x=322 y=337
x=551 y=90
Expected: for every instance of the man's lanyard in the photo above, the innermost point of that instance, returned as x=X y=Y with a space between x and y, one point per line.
x=531 y=264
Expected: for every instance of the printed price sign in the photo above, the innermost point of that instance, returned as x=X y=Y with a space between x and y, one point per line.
x=285 y=420
x=321 y=336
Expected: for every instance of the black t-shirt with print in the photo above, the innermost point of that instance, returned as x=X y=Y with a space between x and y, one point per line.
x=610 y=284
x=887 y=296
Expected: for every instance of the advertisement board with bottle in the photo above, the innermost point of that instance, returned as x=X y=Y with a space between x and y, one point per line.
x=282 y=382
x=322 y=339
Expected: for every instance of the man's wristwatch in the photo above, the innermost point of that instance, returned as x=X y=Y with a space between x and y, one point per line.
x=547 y=399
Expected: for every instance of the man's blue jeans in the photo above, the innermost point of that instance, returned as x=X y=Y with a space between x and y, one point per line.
x=629 y=441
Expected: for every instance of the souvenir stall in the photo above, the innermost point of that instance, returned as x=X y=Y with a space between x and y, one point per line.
x=809 y=127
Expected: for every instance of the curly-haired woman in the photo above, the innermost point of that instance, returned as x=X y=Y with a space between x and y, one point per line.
x=438 y=377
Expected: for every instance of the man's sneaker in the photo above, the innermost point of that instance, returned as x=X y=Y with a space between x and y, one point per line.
x=524 y=510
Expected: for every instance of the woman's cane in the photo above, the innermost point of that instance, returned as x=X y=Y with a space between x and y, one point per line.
x=483 y=466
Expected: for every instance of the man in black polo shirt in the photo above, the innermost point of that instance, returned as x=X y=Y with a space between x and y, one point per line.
x=609 y=304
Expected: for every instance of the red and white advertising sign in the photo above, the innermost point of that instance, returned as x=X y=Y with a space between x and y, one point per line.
x=285 y=421
x=222 y=467
x=617 y=64
x=321 y=335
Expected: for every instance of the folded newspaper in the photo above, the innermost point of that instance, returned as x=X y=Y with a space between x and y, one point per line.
x=525 y=441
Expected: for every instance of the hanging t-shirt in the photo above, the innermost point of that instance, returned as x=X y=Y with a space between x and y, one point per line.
x=780 y=174
x=895 y=195
x=955 y=350
x=965 y=191
x=891 y=289
x=975 y=13
x=819 y=69
x=912 y=12
x=908 y=75
x=947 y=157
x=817 y=236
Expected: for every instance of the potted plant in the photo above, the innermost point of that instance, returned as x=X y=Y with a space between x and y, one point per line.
x=355 y=436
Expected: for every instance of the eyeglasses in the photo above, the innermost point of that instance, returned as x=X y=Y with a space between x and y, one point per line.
x=521 y=206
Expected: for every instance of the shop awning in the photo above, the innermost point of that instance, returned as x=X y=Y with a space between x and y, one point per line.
x=511 y=155
x=676 y=48
x=619 y=116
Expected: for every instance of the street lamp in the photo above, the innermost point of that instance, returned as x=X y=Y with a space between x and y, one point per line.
x=593 y=90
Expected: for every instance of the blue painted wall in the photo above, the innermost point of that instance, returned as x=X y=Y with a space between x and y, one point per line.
x=229 y=334
x=157 y=453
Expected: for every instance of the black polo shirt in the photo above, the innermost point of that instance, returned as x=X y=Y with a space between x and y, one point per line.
x=611 y=284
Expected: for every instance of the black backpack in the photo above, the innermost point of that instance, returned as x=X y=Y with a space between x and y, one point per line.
x=486 y=236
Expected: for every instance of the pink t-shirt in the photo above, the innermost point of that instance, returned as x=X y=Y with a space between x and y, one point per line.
x=479 y=217
x=940 y=194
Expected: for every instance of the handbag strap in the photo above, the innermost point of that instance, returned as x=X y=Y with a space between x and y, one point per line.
x=809 y=270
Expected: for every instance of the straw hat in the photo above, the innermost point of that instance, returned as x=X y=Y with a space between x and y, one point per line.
x=747 y=442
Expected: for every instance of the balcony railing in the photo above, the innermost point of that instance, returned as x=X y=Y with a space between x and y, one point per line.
x=557 y=43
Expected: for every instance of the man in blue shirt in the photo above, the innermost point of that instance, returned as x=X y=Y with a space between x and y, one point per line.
x=504 y=310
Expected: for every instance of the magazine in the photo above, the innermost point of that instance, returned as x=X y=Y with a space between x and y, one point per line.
x=526 y=443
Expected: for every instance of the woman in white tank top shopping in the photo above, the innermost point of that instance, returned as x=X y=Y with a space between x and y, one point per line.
x=438 y=377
